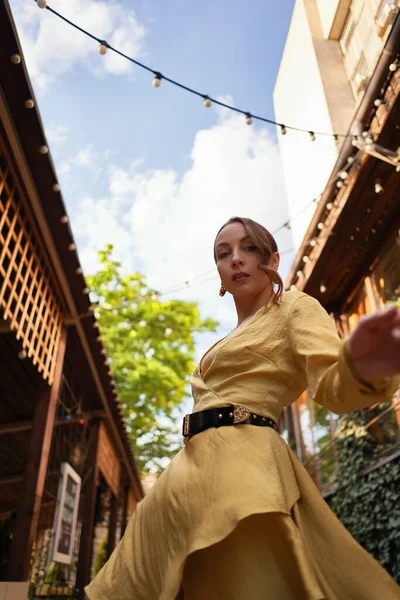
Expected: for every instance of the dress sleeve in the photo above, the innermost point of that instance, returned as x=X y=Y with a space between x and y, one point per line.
x=324 y=358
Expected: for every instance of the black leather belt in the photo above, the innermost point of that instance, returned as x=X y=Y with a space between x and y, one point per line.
x=237 y=414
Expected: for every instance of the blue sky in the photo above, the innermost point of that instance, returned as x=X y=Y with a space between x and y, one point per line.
x=152 y=170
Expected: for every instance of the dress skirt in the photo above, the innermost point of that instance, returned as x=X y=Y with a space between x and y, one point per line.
x=236 y=516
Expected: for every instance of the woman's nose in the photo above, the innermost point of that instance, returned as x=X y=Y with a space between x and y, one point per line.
x=237 y=258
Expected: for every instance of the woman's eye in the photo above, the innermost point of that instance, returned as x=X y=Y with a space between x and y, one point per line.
x=223 y=255
x=251 y=248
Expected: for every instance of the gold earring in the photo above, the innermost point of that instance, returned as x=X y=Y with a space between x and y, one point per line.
x=222 y=291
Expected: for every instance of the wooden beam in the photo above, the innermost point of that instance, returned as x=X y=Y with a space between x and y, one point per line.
x=26 y=425
x=17 y=477
x=112 y=526
x=35 y=473
x=88 y=513
x=124 y=518
x=5 y=327
x=15 y=427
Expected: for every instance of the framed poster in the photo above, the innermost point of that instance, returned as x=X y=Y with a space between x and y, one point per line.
x=66 y=515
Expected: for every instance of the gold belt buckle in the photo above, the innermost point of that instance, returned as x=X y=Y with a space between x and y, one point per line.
x=240 y=413
x=186 y=425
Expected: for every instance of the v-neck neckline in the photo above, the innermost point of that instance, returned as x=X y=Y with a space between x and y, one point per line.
x=237 y=329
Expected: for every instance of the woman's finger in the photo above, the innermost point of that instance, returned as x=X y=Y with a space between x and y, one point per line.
x=381 y=317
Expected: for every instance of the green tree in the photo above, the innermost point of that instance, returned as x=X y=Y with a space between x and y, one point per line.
x=150 y=345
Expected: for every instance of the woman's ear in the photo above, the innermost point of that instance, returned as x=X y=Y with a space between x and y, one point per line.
x=274 y=261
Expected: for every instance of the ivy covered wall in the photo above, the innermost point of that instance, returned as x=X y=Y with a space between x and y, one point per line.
x=367 y=501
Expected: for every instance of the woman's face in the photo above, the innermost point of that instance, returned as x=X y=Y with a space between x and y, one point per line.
x=237 y=262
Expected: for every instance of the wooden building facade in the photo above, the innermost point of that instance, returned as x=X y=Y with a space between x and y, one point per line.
x=350 y=257
x=66 y=464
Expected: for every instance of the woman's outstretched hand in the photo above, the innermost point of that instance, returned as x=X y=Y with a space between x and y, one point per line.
x=374 y=345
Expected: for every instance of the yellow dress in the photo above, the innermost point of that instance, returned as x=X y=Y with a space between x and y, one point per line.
x=226 y=475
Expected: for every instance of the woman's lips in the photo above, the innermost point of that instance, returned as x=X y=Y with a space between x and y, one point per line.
x=240 y=276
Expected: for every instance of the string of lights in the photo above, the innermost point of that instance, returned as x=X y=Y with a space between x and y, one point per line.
x=216 y=277
x=366 y=138
x=104 y=46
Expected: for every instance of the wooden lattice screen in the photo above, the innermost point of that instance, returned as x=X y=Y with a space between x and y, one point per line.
x=27 y=298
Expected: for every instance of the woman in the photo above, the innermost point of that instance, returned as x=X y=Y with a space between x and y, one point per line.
x=235 y=515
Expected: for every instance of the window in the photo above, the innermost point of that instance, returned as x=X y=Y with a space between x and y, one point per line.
x=361 y=75
x=386 y=12
x=348 y=32
x=385 y=16
x=386 y=274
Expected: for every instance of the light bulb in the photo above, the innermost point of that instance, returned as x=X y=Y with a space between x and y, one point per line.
x=29 y=103
x=22 y=355
x=103 y=48
x=78 y=270
x=312 y=136
x=320 y=226
x=339 y=184
x=379 y=188
x=86 y=291
x=207 y=102
x=393 y=67
x=305 y=259
x=41 y=3
x=299 y=273
x=283 y=130
x=64 y=219
x=71 y=247
x=313 y=243
x=157 y=80
x=378 y=102
x=56 y=187
x=43 y=149
x=369 y=141
x=249 y=119
x=322 y=288
x=329 y=206
x=15 y=59
x=344 y=175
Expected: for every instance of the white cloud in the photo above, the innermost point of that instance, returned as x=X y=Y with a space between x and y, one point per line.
x=52 y=47
x=57 y=133
x=165 y=224
x=87 y=158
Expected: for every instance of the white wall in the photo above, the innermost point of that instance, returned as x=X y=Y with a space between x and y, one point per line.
x=327 y=11
x=300 y=100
